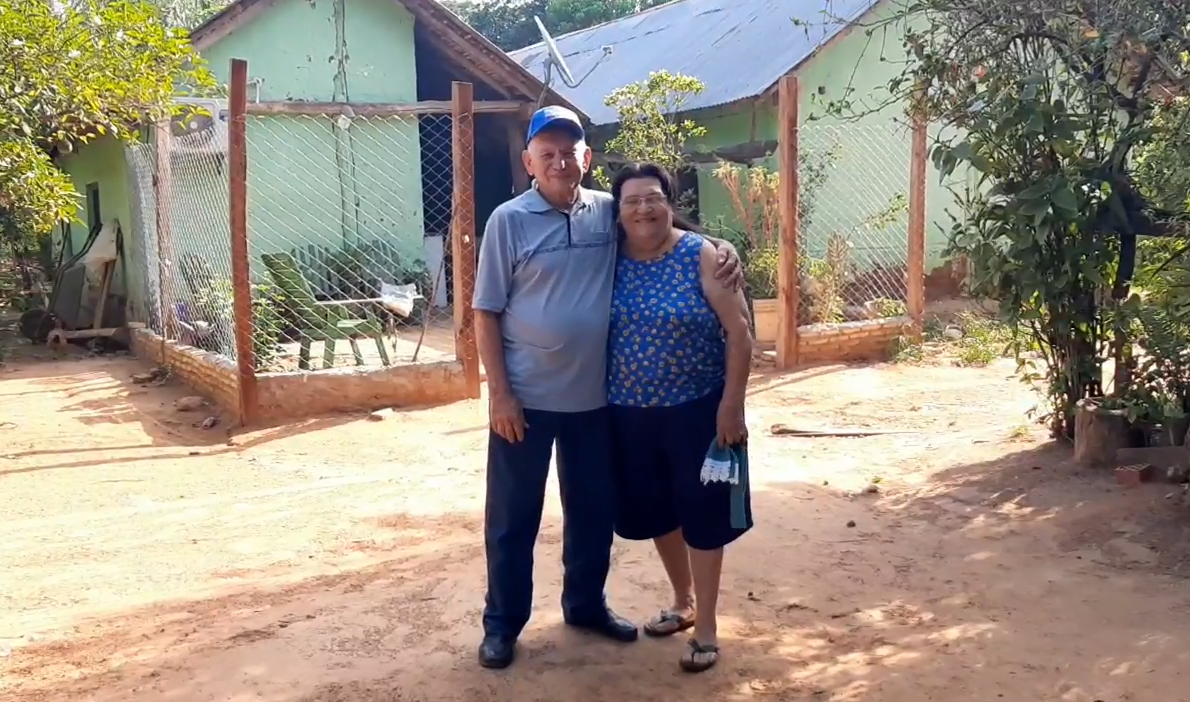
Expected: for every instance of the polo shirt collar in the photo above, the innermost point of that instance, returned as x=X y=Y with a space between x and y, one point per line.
x=536 y=203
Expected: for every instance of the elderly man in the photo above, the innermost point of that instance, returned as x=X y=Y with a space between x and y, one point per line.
x=542 y=305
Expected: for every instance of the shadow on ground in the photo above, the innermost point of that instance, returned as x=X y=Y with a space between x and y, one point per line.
x=1090 y=516
x=951 y=591
x=102 y=392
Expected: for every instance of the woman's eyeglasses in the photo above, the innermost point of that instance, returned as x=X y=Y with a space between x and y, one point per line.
x=635 y=203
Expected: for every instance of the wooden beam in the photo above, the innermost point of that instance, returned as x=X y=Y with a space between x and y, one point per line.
x=460 y=39
x=457 y=38
x=788 y=278
x=377 y=109
x=95 y=333
x=237 y=200
x=462 y=232
x=915 y=284
x=109 y=270
x=516 y=146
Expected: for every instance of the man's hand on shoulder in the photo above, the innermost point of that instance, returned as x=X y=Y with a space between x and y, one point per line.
x=728 y=270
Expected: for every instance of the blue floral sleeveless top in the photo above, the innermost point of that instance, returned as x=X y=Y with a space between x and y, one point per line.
x=665 y=345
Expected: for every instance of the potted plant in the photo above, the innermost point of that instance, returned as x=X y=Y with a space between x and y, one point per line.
x=753 y=193
x=760 y=273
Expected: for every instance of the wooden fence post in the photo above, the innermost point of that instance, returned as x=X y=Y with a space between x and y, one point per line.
x=462 y=231
x=237 y=200
x=788 y=278
x=915 y=292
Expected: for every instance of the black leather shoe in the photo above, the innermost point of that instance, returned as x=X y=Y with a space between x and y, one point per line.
x=611 y=626
x=496 y=652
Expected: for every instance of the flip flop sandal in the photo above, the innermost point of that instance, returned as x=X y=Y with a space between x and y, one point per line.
x=668 y=623
x=699 y=658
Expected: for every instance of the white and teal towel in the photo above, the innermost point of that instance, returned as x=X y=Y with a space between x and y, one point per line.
x=729 y=464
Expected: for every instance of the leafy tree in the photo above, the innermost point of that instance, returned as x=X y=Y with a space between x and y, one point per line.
x=188 y=14
x=1163 y=162
x=509 y=23
x=70 y=73
x=1050 y=102
x=34 y=195
x=650 y=127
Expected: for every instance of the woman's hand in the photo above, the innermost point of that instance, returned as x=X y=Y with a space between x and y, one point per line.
x=729 y=424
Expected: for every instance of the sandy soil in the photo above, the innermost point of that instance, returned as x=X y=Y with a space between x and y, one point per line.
x=340 y=560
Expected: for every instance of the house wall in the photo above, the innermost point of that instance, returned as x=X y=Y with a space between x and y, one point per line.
x=102 y=161
x=312 y=182
x=872 y=152
x=316 y=181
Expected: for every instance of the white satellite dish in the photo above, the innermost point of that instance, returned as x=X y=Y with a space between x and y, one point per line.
x=555 y=61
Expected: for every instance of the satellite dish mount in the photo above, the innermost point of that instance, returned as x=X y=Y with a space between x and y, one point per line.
x=554 y=61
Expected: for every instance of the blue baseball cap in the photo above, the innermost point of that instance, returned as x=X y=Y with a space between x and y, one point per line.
x=555 y=117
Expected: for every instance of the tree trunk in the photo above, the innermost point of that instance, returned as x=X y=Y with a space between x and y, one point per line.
x=1098 y=434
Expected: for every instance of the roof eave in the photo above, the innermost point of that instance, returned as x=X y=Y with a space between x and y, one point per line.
x=818 y=50
x=456 y=35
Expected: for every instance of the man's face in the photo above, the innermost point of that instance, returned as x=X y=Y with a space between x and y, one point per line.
x=556 y=159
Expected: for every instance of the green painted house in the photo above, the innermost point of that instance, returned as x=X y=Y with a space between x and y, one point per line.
x=740 y=50
x=318 y=184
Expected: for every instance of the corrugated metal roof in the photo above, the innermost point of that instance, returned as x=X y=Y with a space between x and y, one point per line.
x=738 y=48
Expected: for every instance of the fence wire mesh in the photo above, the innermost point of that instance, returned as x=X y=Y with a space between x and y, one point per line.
x=853 y=247
x=143 y=230
x=185 y=258
x=349 y=240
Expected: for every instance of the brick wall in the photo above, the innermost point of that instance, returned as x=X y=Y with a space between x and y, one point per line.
x=866 y=340
x=293 y=395
x=210 y=374
x=290 y=396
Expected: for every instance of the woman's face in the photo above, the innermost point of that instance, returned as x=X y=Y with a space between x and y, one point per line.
x=644 y=209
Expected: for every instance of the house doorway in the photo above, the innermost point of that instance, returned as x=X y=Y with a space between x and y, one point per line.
x=492 y=166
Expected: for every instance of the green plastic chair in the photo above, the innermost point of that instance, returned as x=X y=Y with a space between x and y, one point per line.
x=328 y=321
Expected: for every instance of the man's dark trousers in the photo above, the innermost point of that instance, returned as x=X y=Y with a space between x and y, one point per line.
x=517 y=474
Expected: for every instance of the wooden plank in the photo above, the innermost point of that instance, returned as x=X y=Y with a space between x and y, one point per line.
x=787 y=430
x=109 y=270
x=378 y=109
x=788 y=287
x=462 y=232
x=516 y=147
x=99 y=332
x=915 y=293
x=237 y=197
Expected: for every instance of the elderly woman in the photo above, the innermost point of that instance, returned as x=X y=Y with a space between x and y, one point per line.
x=680 y=349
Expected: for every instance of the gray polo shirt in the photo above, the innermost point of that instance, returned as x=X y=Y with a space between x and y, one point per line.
x=549 y=276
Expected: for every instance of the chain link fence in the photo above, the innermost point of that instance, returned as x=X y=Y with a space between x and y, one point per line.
x=349 y=240
x=853 y=250
x=185 y=258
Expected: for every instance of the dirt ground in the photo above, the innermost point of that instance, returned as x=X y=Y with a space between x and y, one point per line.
x=340 y=560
